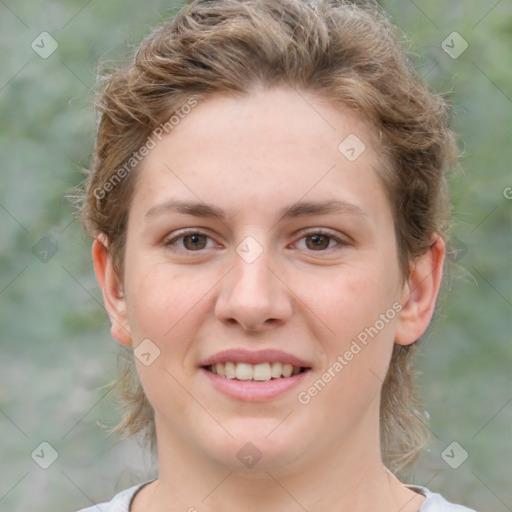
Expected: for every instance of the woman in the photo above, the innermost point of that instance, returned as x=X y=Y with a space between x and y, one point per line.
x=269 y=206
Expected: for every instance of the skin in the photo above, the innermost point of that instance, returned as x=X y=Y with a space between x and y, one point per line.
x=251 y=157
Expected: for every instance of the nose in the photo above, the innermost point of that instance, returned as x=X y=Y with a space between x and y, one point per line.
x=254 y=296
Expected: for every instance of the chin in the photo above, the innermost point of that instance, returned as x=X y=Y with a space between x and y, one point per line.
x=257 y=445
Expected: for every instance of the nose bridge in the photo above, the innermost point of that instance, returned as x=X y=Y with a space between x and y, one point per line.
x=252 y=295
x=252 y=274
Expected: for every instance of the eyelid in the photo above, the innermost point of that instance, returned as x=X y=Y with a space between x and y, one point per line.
x=323 y=231
x=169 y=241
x=175 y=236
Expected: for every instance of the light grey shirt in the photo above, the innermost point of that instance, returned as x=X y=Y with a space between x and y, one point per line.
x=433 y=503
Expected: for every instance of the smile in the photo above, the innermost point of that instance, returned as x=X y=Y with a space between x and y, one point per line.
x=254 y=372
x=254 y=376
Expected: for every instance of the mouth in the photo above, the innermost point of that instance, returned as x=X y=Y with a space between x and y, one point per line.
x=255 y=376
x=262 y=372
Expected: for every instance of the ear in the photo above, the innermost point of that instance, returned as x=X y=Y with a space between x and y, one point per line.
x=111 y=288
x=420 y=293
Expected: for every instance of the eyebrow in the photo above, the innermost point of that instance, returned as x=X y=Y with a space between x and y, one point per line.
x=299 y=209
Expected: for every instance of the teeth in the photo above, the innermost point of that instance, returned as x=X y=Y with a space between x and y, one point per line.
x=277 y=370
x=260 y=372
x=244 y=371
x=230 y=370
x=287 y=370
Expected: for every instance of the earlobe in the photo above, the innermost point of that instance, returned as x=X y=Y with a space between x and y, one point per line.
x=420 y=294
x=111 y=289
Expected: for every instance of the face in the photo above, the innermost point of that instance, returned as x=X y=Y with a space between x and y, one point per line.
x=258 y=242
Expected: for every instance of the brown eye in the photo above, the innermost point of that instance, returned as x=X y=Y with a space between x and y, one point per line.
x=321 y=241
x=318 y=241
x=191 y=241
x=195 y=241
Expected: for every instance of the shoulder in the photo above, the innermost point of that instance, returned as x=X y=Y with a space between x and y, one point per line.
x=433 y=503
x=119 y=503
x=436 y=503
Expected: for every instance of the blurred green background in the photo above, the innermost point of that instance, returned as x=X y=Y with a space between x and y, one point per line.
x=56 y=351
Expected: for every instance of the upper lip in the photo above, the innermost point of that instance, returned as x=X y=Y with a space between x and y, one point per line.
x=255 y=357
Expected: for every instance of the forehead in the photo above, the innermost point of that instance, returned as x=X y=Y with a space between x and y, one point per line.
x=272 y=147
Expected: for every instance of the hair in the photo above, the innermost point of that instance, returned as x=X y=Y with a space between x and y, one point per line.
x=344 y=52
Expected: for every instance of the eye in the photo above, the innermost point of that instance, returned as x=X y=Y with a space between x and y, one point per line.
x=320 y=240
x=317 y=240
x=192 y=241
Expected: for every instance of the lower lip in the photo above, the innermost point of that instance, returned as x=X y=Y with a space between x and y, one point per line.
x=254 y=391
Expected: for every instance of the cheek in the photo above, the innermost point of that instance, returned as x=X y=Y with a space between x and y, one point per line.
x=359 y=309
x=352 y=298
x=357 y=306
x=161 y=301
x=164 y=307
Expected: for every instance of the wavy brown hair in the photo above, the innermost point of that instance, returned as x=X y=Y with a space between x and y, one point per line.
x=346 y=53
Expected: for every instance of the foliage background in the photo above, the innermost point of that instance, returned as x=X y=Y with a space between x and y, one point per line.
x=56 y=352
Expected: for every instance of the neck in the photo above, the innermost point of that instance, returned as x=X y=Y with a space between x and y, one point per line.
x=347 y=477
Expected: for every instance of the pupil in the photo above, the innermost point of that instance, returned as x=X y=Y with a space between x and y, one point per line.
x=319 y=241
x=195 y=241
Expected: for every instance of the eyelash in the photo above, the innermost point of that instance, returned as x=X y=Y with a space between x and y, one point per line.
x=341 y=243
